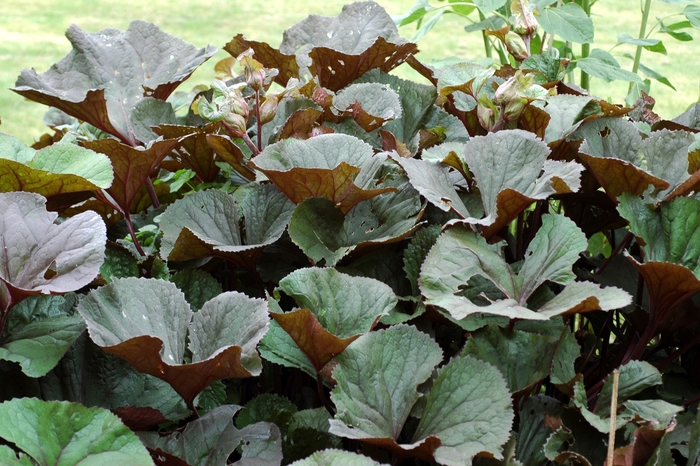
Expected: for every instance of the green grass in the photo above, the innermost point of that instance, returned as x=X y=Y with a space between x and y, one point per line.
x=31 y=35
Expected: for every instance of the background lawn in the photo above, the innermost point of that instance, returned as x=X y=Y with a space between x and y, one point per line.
x=31 y=35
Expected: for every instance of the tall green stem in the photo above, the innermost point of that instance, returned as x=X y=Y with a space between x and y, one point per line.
x=487 y=42
x=586 y=50
x=642 y=35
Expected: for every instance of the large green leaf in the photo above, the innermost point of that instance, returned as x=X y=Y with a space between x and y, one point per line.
x=321 y=230
x=336 y=50
x=108 y=73
x=42 y=257
x=211 y=223
x=469 y=409
x=56 y=169
x=210 y=440
x=568 y=21
x=40 y=330
x=461 y=254
x=330 y=166
x=377 y=377
x=512 y=171
x=126 y=318
x=334 y=310
x=59 y=433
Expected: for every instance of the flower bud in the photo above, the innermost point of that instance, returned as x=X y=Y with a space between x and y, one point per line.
x=525 y=24
x=487 y=113
x=237 y=124
x=510 y=95
x=238 y=105
x=516 y=46
x=268 y=109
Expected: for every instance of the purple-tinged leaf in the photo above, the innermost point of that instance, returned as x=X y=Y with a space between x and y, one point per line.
x=337 y=167
x=39 y=256
x=132 y=166
x=335 y=310
x=146 y=322
x=335 y=50
x=109 y=72
x=209 y=223
x=512 y=171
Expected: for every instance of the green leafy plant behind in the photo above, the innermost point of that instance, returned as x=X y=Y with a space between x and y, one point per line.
x=314 y=261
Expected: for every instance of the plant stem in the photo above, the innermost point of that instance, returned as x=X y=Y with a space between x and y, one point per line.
x=586 y=50
x=642 y=35
x=679 y=352
x=613 y=417
x=487 y=43
x=257 y=120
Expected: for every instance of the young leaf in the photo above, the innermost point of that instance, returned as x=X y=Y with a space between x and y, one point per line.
x=223 y=334
x=39 y=332
x=460 y=254
x=469 y=409
x=53 y=432
x=57 y=169
x=210 y=440
x=377 y=377
x=198 y=286
x=278 y=347
x=335 y=309
x=87 y=86
x=209 y=223
x=326 y=166
x=335 y=50
x=42 y=257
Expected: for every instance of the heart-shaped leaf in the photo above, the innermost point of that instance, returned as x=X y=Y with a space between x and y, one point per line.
x=210 y=440
x=336 y=50
x=335 y=309
x=461 y=254
x=42 y=257
x=211 y=223
x=56 y=169
x=329 y=166
x=54 y=432
x=108 y=73
x=126 y=318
